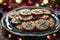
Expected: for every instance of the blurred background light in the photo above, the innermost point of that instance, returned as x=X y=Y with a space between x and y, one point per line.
x=1 y=1
x=45 y=1
x=18 y=1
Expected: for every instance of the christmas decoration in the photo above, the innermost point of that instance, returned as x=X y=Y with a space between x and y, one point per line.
x=10 y=1
x=42 y=5
x=9 y=6
x=30 y=2
x=54 y=4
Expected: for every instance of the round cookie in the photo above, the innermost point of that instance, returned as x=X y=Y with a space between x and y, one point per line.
x=37 y=11
x=51 y=21
x=25 y=12
x=41 y=24
x=29 y=26
x=25 y=17
x=46 y=11
x=17 y=14
x=19 y=27
x=11 y=15
x=15 y=21
x=44 y=16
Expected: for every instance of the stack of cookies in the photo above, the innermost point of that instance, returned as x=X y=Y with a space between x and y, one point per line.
x=32 y=19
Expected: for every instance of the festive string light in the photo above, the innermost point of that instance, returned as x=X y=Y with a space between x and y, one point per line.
x=19 y=38
x=50 y=6
x=45 y=1
x=1 y=1
x=54 y=35
x=49 y=37
x=37 y=4
x=18 y=1
x=9 y=36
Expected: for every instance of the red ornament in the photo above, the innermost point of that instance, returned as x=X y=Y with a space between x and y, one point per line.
x=10 y=1
x=4 y=3
x=40 y=1
x=9 y=7
x=30 y=2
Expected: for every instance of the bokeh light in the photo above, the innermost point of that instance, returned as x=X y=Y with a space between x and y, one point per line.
x=45 y=1
x=1 y=1
x=9 y=36
x=9 y=6
x=4 y=3
x=19 y=38
x=10 y=1
x=18 y=1
x=54 y=35
x=30 y=2
x=49 y=37
x=37 y=4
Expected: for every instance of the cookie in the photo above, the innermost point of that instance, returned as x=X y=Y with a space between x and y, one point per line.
x=29 y=26
x=37 y=11
x=15 y=21
x=46 y=11
x=51 y=22
x=19 y=27
x=41 y=24
x=25 y=11
x=11 y=15
x=44 y=16
x=25 y=17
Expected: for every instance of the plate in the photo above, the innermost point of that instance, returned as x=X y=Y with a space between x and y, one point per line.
x=7 y=25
